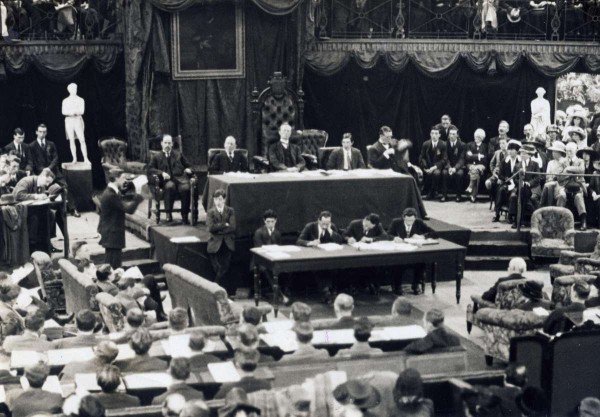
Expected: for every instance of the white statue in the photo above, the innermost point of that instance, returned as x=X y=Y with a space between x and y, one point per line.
x=73 y=108
x=3 y=15
x=540 y=113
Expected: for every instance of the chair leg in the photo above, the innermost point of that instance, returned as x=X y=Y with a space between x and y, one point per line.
x=157 y=211
x=149 y=208
x=489 y=360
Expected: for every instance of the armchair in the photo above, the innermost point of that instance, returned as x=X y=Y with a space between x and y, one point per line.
x=212 y=152
x=571 y=262
x=49 y=281
x=561 y=288
x=114 y=155
x=156 y=182
x=552 y=231
x=111 y=311
x=323 y=155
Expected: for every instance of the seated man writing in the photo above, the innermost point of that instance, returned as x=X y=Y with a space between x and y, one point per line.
x=437 y=334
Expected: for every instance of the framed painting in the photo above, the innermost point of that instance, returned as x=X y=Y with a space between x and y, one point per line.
x=208 y=42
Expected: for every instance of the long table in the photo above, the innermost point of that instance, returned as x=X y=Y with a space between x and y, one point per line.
x=314 y=259
x=299 y=197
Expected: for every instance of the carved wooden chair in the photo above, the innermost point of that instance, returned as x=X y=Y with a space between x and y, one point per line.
x=156 y=183
x=278 y=104
x=212 y=152
x=114 y=155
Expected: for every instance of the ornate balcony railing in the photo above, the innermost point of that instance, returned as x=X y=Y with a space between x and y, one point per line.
x=571 y=20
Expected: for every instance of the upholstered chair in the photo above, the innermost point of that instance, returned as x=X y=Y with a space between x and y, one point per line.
x=571 y=262
x=561 y=288
x=114 y=155
x=552 y=231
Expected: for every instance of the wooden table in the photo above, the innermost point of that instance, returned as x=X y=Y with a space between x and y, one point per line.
x=313 y=259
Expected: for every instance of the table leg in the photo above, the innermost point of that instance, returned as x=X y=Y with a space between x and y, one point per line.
x=459 y=276
x=434 y=272
x=256 y=284
x=422 y=279
x=275 y=293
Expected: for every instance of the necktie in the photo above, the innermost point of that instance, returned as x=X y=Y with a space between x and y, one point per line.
x=326 y=238
x=346 y=160
x=19 y=150
x=44 y=144
x=231 y=157
x=169 y=164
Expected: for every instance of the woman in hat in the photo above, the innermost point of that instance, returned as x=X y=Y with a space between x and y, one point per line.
x=508 y=168
x=555 y=167
x=408 y=395
x=577 y=135
x=534 y=296
x=576 y=119
x=359 y=394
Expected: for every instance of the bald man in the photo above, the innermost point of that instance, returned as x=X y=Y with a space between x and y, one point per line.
x=229 y=159
x=516 y=268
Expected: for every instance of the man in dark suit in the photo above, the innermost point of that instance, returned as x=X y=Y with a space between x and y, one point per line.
x=109 y=379
x=409 y=227
x=437 y=334
x=85 y=321
x=381 y=153
x=508 y=168
x=32 y=337
x=174 y=169
x=220 y=221
x=111 y=226
x=516 y=268
x=315 y=233
x=283 y=155
x=347 y=157
x=19 y=148
x=140 y=342
x=267 y=234
x=454 y=171
x=343 y=306
x=445 y=126
x=476 y=157
x=557 y=321
x=494 y=144
x=515 y=379
x=246 y=361
x=228 y=160
x=531 y=192
x=365 y=230
x=14 y=171
x=432 y=160
x=35 y=400
x=200 y=359
x=179 y=369
x=306 y=351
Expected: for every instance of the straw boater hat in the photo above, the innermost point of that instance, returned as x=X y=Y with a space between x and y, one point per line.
x=593 y=154
x=558 y=146
x=578 y=130
x=513 y=144
x=514 y=15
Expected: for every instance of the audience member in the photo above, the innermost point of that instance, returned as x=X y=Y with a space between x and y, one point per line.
x=33 y=187
x=245 y=361
x=174 y=170
x=172 y=405
x=515 y=379
x=86 y=322
x=195 y=408
x=346 y=157
x=496 y=158
x=576 y=120
x=301 y=312
x=140 y=342
x=81 y=258
x=554 y=181
x=362 y=333
x=284 y=155
x=380 y=153
x=507 y=180
x=6 y=375
x=408 y=395
x=531 y=191
x=316 y=233
x=594 y=301
x=401 y=307
x=90 y=406
x=516 y=268
x=109 y=378
x=105 y=353
x=129 y=294
x=299 y=402
x=179 y=369
x=228 y=160
x=11 y=322
x=444 y=127
x=200 y=359
x=342 y=308
x=529 y=133
x=557 y=321
x=306 y=352
x=103 y=274
x=14 y=171
x=534 y=296
x=32 y=337
x=178 y=320
x=34 y=399
x=437 y=334
x=19 y=148
x=365 y=230
x=409 y=227
x=220 y=222
x=476 y=158
x=251 y=315
x=5 y=188
x=432 y=161
x=453 y=173
x=494 y=145
x=572 y=184
x=237 y=405
x=532 y=402
x=359 y=394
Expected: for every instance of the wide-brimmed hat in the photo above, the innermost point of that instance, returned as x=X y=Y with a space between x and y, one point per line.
x=6 y=199
x=528 y=148
x=538 y=142
x=532 y=289
x=532 y=402
x=237 y=400
x=578 y=130
x=558 y=146
x=593 y=154
x=359 y=393
x=513 y=144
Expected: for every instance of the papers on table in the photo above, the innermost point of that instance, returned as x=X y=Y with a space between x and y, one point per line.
x=139 y=182
x=384 y=245
x=147 y=380
x=177 y=346
x=185 y=239
x=278 y=326
x=21 y=273
x=404 y=332
x=240 y=175
x=278 y=251
x=421 y=242
x=284 y=340
x=88 y=382
x=65 y=356
x=125 y=353
x=541 y=311
x=277 y=255
x=223 y=372
x=133 y=273
x=51 y=385
x=333 y=337
x=330 y=247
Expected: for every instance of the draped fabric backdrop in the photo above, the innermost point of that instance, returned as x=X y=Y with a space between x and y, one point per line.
x=359 y=101
x=204 y=112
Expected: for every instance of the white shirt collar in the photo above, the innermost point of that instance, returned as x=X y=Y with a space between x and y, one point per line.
x=114 y=187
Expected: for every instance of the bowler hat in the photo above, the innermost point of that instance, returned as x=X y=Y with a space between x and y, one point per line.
x=532 y=289
x=237 y=400
x=527 y=148
x=363 y=395
x=593 y=154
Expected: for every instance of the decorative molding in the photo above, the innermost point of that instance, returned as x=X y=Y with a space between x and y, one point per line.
x=29 y=48
x=453 y=46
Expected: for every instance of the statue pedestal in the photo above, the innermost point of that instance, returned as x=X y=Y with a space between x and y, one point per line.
x=79 y=181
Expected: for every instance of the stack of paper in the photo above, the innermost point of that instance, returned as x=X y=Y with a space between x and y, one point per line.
x=405 y=332
x=329 y=247
x=417 y=241
x=21 y=273
x=284 y=340
x=65 y=356
x=147 y=380
x=89 y=383
x=223 y=372
x=333 y=337
x=185 y=239
x=278 y=326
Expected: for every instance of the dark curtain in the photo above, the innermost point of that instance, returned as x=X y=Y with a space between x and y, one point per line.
x=30 y=98
x=360 y=101
x=204 y=112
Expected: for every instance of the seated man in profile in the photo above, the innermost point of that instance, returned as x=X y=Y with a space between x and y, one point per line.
x=228 y=160
x=347 y=157
x=437 y=334
x=306 y=351
x=316 y=233
x=409 y=227
x=381 y=153
x=283 y=155
x=557 y=321
x=365 y=230
x=516 y=268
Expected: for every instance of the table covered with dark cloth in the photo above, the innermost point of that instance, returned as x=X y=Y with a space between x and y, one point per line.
x=298 y=198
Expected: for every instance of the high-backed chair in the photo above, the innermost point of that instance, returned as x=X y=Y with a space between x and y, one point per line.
x=156 y=183
x=49 y=281
x=561 y=288
x=571 y=262
x=212 y=152
x=323 y=155
x=114 y=155
x=552 y=231
x=80 y=290
x=111 y=311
